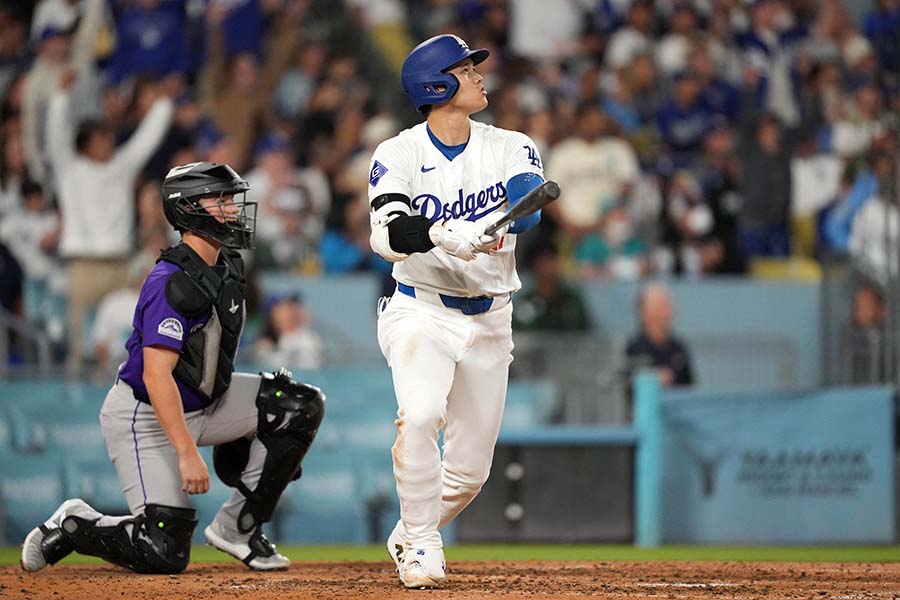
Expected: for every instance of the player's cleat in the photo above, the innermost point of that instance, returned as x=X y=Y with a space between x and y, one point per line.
x=254 y=550
x=422 y=568
x=395 y=545
x=44 y=544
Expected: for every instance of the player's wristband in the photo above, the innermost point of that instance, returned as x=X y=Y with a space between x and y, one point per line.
x=409 y=233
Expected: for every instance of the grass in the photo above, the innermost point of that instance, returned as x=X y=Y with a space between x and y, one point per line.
x=588 y=553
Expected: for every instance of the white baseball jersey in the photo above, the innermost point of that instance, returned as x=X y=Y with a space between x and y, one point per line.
x=469 y=187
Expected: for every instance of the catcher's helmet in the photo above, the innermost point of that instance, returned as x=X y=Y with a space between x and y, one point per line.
x=424 y=69
x=182 y=190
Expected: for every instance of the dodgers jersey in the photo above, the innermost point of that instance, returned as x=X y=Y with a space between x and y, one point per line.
x=471 y=186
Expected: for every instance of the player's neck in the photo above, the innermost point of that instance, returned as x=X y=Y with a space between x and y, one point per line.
x=206 y=250
x=451 y=128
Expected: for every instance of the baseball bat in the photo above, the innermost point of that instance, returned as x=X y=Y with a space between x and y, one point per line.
x=532 y=202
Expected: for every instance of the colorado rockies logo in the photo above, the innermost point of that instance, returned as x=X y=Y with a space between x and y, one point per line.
x=533 y=156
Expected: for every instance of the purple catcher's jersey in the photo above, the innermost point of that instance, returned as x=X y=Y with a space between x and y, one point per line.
x=156 y=323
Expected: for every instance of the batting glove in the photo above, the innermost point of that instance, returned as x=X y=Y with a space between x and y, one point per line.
x=457 y=237
x=490 y=244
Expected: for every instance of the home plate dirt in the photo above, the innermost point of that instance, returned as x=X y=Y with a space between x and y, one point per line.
x=511 y=580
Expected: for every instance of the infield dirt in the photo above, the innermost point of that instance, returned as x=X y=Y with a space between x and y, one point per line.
x=511 y=580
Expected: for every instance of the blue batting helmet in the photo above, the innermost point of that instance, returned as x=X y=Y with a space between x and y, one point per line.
x=424 y=69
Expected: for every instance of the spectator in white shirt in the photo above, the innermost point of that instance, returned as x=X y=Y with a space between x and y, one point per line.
x=95 y=183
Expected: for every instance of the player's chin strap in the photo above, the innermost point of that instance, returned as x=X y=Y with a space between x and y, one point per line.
x=289 y=417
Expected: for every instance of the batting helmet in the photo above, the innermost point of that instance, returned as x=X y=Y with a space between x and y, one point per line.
x=424 y=69
x=182 y=190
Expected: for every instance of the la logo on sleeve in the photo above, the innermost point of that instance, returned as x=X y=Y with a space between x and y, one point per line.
x=171 y=328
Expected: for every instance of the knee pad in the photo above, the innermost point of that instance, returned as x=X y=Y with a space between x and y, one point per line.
x=159 y=541
x=289 y=417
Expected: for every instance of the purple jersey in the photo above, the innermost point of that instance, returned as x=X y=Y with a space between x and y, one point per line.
x=156 y=323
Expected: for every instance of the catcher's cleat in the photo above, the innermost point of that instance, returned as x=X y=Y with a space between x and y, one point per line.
x=254 y=549
x=45 y=544
x=422 y=568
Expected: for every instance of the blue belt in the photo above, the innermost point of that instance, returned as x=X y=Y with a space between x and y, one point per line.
x=468 y=306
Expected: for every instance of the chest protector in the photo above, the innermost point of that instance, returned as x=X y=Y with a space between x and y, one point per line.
x=207 y=357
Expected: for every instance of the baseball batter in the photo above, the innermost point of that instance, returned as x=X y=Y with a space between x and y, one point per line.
x=446 y=332
x=177 y=391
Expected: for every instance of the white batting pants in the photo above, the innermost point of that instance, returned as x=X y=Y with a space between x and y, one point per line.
x=450 y=372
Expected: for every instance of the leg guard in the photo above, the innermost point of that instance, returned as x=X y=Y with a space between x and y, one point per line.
x=289 y=417
x=159 y=541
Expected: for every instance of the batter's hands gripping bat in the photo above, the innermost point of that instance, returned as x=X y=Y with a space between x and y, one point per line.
x=533 y=201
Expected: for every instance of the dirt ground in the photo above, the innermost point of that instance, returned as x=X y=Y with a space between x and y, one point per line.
x=372 y=580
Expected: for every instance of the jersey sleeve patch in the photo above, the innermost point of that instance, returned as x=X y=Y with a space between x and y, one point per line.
x=378 y=171
x=171 y=328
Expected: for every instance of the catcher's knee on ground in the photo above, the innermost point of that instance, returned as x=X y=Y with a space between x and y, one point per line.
x=159 y=541
x=289 y=417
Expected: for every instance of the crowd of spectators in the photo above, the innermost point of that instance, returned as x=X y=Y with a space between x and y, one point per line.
x=690 y=137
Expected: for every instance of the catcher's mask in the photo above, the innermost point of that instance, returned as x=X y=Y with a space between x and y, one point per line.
x=210 y=199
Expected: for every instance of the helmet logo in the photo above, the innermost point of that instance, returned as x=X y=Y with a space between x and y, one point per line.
x=459 y=41
x=175 y=195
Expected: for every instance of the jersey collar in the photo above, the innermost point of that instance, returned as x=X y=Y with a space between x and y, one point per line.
x=449 y=152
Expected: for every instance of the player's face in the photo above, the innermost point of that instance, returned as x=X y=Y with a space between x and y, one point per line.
x=471 y=95
x=222 y=208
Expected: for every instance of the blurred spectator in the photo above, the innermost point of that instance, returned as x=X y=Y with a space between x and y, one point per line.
x=11 y=300
x=633 y=95
x=532 y=35
x=58 y=56
x=634 y=38
x=815 y=183
x=672 y=50
x=684 y=120
x=32 y=233
x=154 y=232
x=295 y=88
x=595 y=170
x=346 y=248
x=616 y=250
x=863 y=343
x=859 y=186
x=151 y=39
x=96 y=196
x=882 y=27
x=767 y=48
x=654 y=345
x=287 y=339
x=13 y=46
x=718 y=95
x=113 y=323
x=236 y=90
x=690 y=223
x=852 y=135
x=292 y=205
x=719 y=175
x=550 y=305
x=874 y=238
x=12 y=174
x=765 y=189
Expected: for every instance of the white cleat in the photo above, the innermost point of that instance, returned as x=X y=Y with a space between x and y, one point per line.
x=33 y=558
x=254 y=550
x=422 y=568
x=395 y=545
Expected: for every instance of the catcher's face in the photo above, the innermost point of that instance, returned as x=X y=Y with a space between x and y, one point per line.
x=222 y=208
